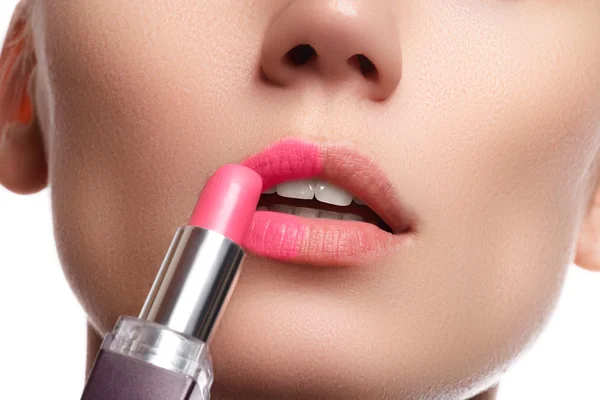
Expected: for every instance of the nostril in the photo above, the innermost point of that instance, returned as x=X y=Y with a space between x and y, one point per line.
x=365 y=66
x=301 y=54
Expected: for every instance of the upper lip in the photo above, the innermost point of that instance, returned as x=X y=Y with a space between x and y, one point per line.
x=339 y=164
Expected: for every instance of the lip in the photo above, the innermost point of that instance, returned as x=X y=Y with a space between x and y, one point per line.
x=324 y=242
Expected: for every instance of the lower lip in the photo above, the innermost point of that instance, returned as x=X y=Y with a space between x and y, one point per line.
x=317 y=241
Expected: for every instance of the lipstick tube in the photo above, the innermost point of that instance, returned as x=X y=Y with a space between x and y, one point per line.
x=163 y=354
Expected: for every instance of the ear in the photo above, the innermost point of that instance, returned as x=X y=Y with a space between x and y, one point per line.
x=588 y=244
x=23 y=166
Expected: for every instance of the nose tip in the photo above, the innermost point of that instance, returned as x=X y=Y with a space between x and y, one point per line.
x=335 y=41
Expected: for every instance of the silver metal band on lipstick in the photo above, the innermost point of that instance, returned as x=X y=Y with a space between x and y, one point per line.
x=183 y=308
x=194 y=282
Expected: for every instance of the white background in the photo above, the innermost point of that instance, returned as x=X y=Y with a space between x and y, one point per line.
x=42 y=327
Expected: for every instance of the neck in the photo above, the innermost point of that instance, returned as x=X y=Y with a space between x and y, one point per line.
x=94 y=341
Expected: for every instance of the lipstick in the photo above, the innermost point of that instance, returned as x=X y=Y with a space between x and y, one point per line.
x=163 y=354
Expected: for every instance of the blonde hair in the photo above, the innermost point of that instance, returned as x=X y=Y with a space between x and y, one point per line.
x=17 y=58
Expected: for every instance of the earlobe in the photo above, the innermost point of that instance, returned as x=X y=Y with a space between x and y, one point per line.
x=588 y=245
x=23 y=166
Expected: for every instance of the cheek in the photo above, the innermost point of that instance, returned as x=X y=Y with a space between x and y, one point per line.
x=125 y=132
x=496 y=133
x=501 y=115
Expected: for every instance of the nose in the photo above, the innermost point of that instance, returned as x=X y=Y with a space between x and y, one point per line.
x=335 y=41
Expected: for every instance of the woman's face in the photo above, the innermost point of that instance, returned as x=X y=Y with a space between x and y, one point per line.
x=482 y=116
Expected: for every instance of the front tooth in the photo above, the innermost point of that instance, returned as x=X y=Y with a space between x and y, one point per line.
x=262 y=208
x=351 y=217
x=306 y=212
x=282 y=208
x=331 y=194
x=270 y=190
x=303 y=189
x=359 y=202
x=329 y=214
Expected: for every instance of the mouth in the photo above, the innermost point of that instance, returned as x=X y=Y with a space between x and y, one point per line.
x=313 y=198
x=326 y=205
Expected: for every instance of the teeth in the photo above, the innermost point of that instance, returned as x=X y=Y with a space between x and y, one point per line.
x=351 y=217
x=308 y=189
x=310 y=212
x=304 y=189
x=306 y=212
x=331 y=194
x=359 y=202
x=282 y=208
x=329 y=215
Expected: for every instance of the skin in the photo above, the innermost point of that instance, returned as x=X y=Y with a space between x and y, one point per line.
x=489 y=128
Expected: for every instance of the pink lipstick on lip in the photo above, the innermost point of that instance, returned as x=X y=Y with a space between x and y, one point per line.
x=320 y=241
